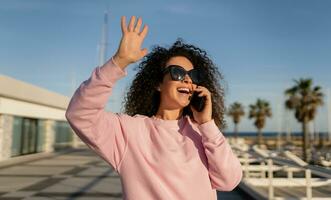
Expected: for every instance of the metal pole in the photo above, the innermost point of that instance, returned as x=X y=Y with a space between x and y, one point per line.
x=329 y=113
x=104 y=42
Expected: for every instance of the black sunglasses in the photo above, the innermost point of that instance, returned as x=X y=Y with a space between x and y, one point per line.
x=178 y=73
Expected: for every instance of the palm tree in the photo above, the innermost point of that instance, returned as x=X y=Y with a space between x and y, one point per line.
x=260 y=111
x=236 y=111
x=304 y=99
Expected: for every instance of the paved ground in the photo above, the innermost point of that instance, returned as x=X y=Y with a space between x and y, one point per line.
x=78 y=174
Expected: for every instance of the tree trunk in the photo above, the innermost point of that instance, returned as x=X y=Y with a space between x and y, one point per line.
x=235 y=130
x=260 y=137
x=306 y=149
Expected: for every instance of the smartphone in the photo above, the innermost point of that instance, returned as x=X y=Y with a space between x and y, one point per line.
x=197 y=102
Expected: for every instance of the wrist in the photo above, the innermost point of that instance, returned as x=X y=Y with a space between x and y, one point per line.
x=204 y=121
x=120 y=61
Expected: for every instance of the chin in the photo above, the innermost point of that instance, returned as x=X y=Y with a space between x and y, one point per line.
x=183 y=104
x=177 y=102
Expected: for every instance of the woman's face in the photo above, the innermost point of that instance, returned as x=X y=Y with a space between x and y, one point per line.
x=172 y=92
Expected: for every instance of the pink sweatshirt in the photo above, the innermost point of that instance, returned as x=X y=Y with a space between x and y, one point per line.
x=156 y=159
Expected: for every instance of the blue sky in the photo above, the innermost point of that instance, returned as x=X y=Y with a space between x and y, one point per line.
x=259 y=46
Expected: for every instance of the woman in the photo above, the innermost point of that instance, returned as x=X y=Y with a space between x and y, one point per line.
x=162 y=148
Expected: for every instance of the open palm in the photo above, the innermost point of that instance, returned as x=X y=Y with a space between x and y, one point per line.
x=129 y=50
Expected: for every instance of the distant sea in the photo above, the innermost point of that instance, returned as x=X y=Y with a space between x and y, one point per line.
x=269 y=134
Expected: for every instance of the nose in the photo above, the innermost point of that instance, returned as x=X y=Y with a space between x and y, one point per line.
x=187 y=79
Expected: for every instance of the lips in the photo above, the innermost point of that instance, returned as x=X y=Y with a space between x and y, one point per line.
x=184 y=90
x=185 y=93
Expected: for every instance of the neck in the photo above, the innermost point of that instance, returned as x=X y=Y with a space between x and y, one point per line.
x=169 y=114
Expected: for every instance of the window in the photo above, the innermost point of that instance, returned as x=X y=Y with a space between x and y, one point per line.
x=28 y=136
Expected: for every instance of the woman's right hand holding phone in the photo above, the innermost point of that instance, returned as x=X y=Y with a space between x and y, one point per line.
x=129 y=50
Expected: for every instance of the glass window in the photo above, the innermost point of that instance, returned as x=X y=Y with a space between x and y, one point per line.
x=27 y=136
x=16 y=139
x=64 y=135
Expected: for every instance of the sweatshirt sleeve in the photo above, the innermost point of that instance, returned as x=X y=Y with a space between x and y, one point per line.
x=224 y=167
x=102 y=131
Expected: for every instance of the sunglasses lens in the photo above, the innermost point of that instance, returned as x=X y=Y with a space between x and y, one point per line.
x=177 y=74
x=194 y=74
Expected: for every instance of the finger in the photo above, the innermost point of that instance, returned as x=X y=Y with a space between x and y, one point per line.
x=193 y=109
x=204 y=93
x=144 y=52
x=123 y=25
x=131 y=23
x=201 y=94
x=137 y=28
x=201 y=87
x=144 y=31
x=198 y=89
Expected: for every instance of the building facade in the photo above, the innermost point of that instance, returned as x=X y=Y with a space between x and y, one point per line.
x=32 y=120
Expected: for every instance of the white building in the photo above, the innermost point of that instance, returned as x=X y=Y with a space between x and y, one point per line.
x=32 y=120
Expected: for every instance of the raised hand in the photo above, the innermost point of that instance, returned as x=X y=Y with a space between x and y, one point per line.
x=129 y=50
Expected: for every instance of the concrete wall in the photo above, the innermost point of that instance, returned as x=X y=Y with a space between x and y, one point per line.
x=6 y=122
x=22 y=91
x=27 y=109
x=50 y=136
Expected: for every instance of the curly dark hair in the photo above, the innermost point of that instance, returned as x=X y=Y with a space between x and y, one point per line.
x=143 y=98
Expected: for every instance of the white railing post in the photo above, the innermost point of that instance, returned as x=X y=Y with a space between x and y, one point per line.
x=308 y=184
x=246 y=163
x=289 y=172
x=270 y=177
x=262 y=170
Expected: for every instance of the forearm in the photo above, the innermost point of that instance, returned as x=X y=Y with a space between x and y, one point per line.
x=90 y=99
x=223 y=165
